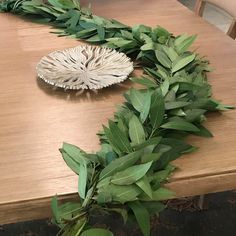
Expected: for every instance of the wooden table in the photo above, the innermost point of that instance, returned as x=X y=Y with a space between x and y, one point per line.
x=35 y=119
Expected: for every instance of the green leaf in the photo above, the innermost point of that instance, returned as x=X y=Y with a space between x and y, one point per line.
x=165 y=86
x=148 y=150
x=159 y=195
x=180 y=39
x=178 y=145
x=64 y=16
x=101 y=32
x=163 y=59
x=105 y=148
x=136 y=131
x=55 y=211
x=189 y=86
x=112 y=141
x=137 y=99
x=110 y=156
x=123 y=194
x=148 y=46
x=146 y=107
x=194 y=114
x=162 y=194
x=222 y=107
x=94 y=39
x=181 y=62
x=119 y=138
x=177 y=112
x=121 y=43
x=146 y=38
x=157 y=109
x=142 y=216
x=157 y=75
x=70 y=162
x=88 y=197
x=104 y=182
x=43 y=21
x=150 y=157
x=117 y=25
x=75 y=153
x=104 y=197
x=47 y=10
x=170 y=52
x=126 y=34
x=203 y=131
x=120 y=164
x=29 y=9
x=144 y=184
x=74 y=229
x=151 y=141
x=74 y=20
x=138 y=30
x=163 y=147
x=161 y=176
x=83 y=174
x=131 y=174
x=91 y=157
x=99 y=20
x=160 y=35
x=55 y=3
x=144 y=81
x=122 y=126
x=159 y=150
x=159 y=32
x=97 y=232
x=86 y=33
x=174 y=105
x=69 y=4
x=190 y=150
x=183 y=45
x=170 y=96
x=180 y=125
x=68 y=210
x=175 y=88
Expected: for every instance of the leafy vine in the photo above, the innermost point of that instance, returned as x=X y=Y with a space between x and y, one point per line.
x=127 y=175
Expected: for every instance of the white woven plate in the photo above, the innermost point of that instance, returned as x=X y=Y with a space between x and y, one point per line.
x=84 y=67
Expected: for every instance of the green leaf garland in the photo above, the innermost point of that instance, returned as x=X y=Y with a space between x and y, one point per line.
x=127 y=174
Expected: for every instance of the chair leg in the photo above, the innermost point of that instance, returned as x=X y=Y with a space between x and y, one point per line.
x=232 y=30
x=201 y=202
x=199 y=7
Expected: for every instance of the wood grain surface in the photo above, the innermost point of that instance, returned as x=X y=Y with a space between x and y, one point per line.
x=35 y=119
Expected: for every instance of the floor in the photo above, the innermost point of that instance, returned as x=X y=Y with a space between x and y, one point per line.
x=178 y=220
x=182 y=218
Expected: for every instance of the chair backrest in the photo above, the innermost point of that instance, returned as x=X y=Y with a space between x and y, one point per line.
x=227 y=5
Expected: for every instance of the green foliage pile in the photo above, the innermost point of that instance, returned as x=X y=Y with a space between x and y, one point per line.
x=127 y=174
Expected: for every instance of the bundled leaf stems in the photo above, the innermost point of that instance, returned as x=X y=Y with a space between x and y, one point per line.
x=127 y=175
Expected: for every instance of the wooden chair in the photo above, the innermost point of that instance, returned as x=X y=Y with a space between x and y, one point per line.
x=228 y=6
